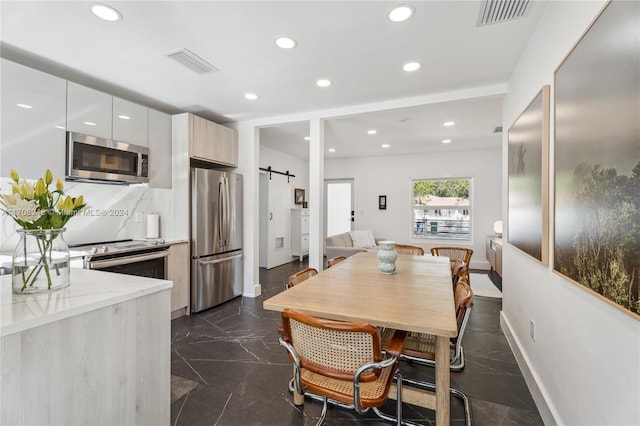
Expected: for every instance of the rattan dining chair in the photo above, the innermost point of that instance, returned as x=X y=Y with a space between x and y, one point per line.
x=300 y=276
x=420 y=347
x=335 y=260
x=407 y=249
x=455 y=253
x=457 y=267
x=341 y=361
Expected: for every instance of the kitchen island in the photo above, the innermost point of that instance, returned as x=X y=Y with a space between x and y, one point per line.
x=96 y=352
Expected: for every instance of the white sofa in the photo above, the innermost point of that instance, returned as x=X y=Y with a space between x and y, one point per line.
x=349 y=243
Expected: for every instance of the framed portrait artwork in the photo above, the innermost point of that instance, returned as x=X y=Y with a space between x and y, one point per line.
x=298 y=196
x=597 y=159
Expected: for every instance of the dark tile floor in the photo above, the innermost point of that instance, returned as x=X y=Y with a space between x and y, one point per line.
x=228 y=369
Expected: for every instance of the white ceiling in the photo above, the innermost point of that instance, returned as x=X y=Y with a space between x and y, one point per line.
x=351 y=43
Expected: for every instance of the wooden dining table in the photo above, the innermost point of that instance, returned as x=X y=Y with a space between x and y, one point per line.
x=417 y=297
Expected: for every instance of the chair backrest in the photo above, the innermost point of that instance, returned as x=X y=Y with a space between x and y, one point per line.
x=455 y=253
x=408 y=249
x=457 y=268
x=300 y=276
x=335 y=260
x=463 y=299
x=331 y=348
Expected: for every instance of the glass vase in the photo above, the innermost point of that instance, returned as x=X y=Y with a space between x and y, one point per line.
x=387 y=257
x=40 y=261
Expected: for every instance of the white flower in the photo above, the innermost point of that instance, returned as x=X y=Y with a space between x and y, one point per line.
x=24 y=210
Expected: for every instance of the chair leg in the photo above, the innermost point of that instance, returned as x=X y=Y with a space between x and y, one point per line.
x=324 y=411
x=459 y=366
x=399 y=399
x=452 y=391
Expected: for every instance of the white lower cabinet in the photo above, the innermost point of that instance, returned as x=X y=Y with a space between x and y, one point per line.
x=299 y=232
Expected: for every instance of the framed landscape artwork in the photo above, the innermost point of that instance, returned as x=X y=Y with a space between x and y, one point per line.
x=597 y=159
x=528 y=160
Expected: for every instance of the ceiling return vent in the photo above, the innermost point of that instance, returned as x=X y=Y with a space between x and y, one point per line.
x=192 y=61
x=496 y=11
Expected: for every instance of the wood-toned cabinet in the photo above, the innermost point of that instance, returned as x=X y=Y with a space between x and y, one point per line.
x=33 y=122
x=494 y=253
x=299 y=232
x=89 y=111
x=209 y=141
x=130 y=122
x=178 y=271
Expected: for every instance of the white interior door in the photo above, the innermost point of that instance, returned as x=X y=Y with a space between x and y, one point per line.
x=339 y=204
x=279 y=240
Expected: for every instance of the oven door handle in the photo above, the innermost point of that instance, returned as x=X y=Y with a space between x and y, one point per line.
x=101 y=264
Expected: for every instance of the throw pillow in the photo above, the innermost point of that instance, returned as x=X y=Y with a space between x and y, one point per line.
x=360 y=239
x=372 y=239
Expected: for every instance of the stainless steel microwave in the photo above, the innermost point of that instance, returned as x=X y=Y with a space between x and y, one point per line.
x=90 y=158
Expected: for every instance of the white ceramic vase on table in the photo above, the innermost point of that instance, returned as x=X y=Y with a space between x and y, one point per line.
x=387 y=257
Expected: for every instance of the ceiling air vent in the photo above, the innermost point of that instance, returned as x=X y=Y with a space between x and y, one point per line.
x=192 y=61
x=497 y=129
x=496 y=11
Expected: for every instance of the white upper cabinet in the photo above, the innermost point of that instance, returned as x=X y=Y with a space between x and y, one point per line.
x=33 y=122
x=89 y=111
x=130 y=122
x=159 y=149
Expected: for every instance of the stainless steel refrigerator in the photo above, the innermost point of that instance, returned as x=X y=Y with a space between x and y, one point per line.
x=216 y=237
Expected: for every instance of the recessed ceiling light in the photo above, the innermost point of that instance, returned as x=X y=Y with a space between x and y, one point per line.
x=386 y=145
x=372 y=131
x=446 y=141
x=25 y=106
x=412 y=66
x=251 y=96
x=285 y=42
x=105 y=12
x=124 y=117
x=89 y=123
x=400 y=13
x=323 y=83
x=332 y=150
x=307 y=138
x=448 y=123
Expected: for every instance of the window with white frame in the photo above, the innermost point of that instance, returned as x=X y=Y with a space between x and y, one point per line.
x=441 y=209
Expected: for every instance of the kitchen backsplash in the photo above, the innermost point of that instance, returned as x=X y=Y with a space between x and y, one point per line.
x=111 y=214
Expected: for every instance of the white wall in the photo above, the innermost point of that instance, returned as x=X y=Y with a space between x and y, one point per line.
x=584 y=366
x=392 y=175
x=282 y=162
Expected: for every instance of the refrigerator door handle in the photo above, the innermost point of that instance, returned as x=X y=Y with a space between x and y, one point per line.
x=224 y=259
x=227 y=210
x=220 y=212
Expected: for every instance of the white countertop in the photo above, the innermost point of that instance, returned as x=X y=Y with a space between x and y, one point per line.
x=89 y=290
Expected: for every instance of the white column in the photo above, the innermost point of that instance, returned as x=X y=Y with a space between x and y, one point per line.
x=316 y=193
x=248 y=164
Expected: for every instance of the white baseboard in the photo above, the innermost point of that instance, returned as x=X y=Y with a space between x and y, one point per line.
x=257 y=291
x=547 y=412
